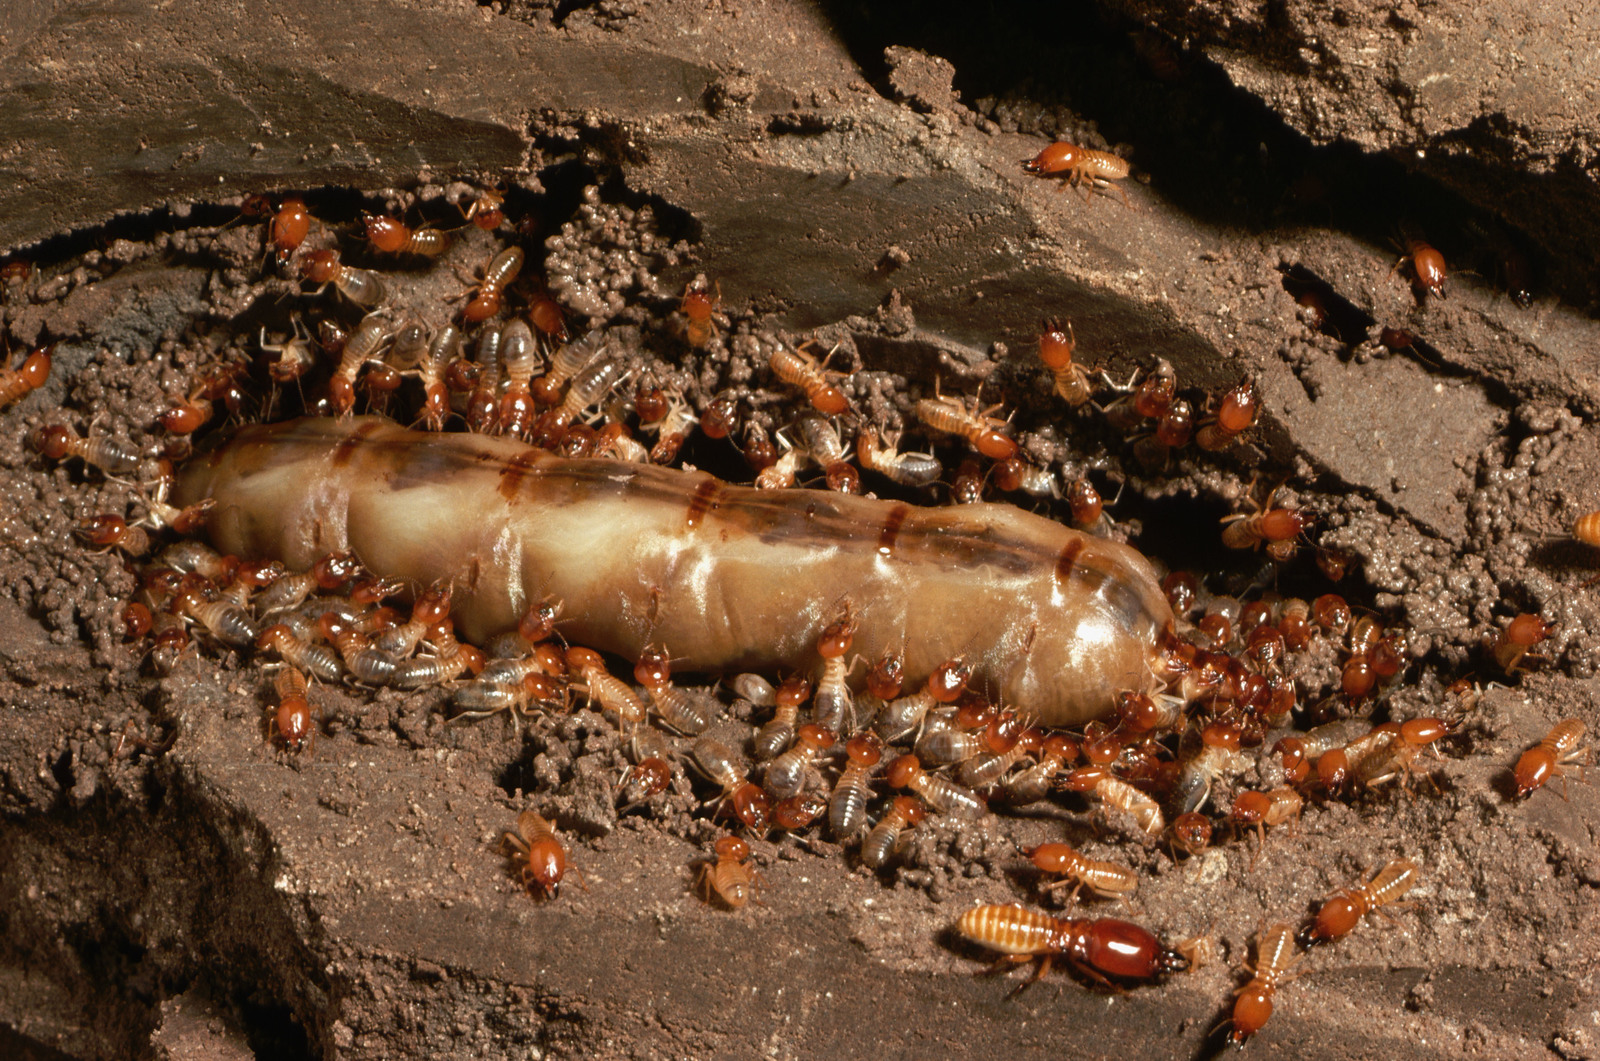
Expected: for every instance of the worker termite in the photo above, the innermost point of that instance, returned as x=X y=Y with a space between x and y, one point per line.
x=1104 y=787
x=519 y=357
x=543 y=858
x=291 y=223
x=879 y=846
x=1055 y=350
x=1191 y=833
x=1103 y=949
x=880 y=455
x=699 y=309
x=1236 y=414
x=902 y=715
x=485 y=212
x=680 y=710
x=18 y=383
x=799 y=369
x=1275 y=960
x=750 y=805
x=116 y=459
x=1262 y=809
x=823 y=444
x=847 y=806
x=319 y=659
x=293 y=721
x=1560 y=748
x=1080 y=165
x=110 y=531
x=775 y=736
x=1514 y=642
x=1219 y=755
x=1399 y=757
x=1085 y=503
x=1104 y=879
x=727 y=875
x=361 y=286
x=1033 y=784
x=1014 y=474
x=786 y=775
x=953 y=417
x=1345 y=909
x=389 y=235
x=832 y=704
x=497 y=276
x=938 y=792
x=603 y=687
x=1276 y=528
x=1426 y=265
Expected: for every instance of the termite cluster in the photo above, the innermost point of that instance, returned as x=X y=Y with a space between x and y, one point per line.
x=838 y=747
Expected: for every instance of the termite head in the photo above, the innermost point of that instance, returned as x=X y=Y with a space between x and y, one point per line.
x=654 y=669
x=547 y=864
x=320 y=267
x=1056 y=158
x=1056 y=346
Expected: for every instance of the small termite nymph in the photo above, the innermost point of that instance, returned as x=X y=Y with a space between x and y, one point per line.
x=1080 y=165
x=544 y=858
x=733 y=881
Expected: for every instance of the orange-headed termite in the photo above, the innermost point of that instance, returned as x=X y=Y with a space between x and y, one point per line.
x=293 y=722
x=497 y=275
x=750 y=804
x=1519 y=636
x=800 y=369
x=847 y=806
x=1561 y=747
x=1081 y=165
x=17 y=383
x=1345 y=909
x=1104 y=879
x=361 y=286
x=1235 y=415
x=1056 y=348
x=1276 y=957
x=389 y=235
x=1104 y=787
x=953 y=417
x=727 y=875
x=543 y=858
x=1427 y=267
x=1101 y=949
x=905 y=812
x=938 y=792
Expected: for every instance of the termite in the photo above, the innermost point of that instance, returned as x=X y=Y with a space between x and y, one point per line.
x=832 y=704
x=680 y=710
x=905 y=812
x=18 y=383
x=1236 y=414
x=1104 y=787
x=1345 y=909
x=799 y=369
x=291 y=223
x=1399 y=758
x=1055 y=621
x=1191 y=832
x=389 y=235
x=953 y=417
x=293 y=722
x=544 y=858
x=57 y=442
x=1276 y=957
x=786 y=775
x=1104 y=879
x=1427 y=267
x=698 y=309
x=363 y=346
x=1079 y=165
x=822 y=442
x=450 y=658
x=1561 y=747
x=301 y=654
x=1055 y=350
x=1219 y=755
x=847 y=806
x=1033 y=784
x=1515 y=641
x=727 y=875
x=1014 y=474
x=519 y=357
x=1276 y=528
x=1586 y=529
x=902 y=715
x=775 y=736
x=485 y=211
x=497 y=275
x=1262 y=809
x=110 y=531
x=361 y=286
x=1085 y=503
x=750 y=804
x=1101 y=949
x=940 y=793
x=878 y=454
x=603 y=687
x=295 y=356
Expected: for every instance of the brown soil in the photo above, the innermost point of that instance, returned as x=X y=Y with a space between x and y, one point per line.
x=171 y=885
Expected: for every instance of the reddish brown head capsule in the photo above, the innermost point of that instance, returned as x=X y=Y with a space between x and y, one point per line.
x=1427 y=267
x=290 y=226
